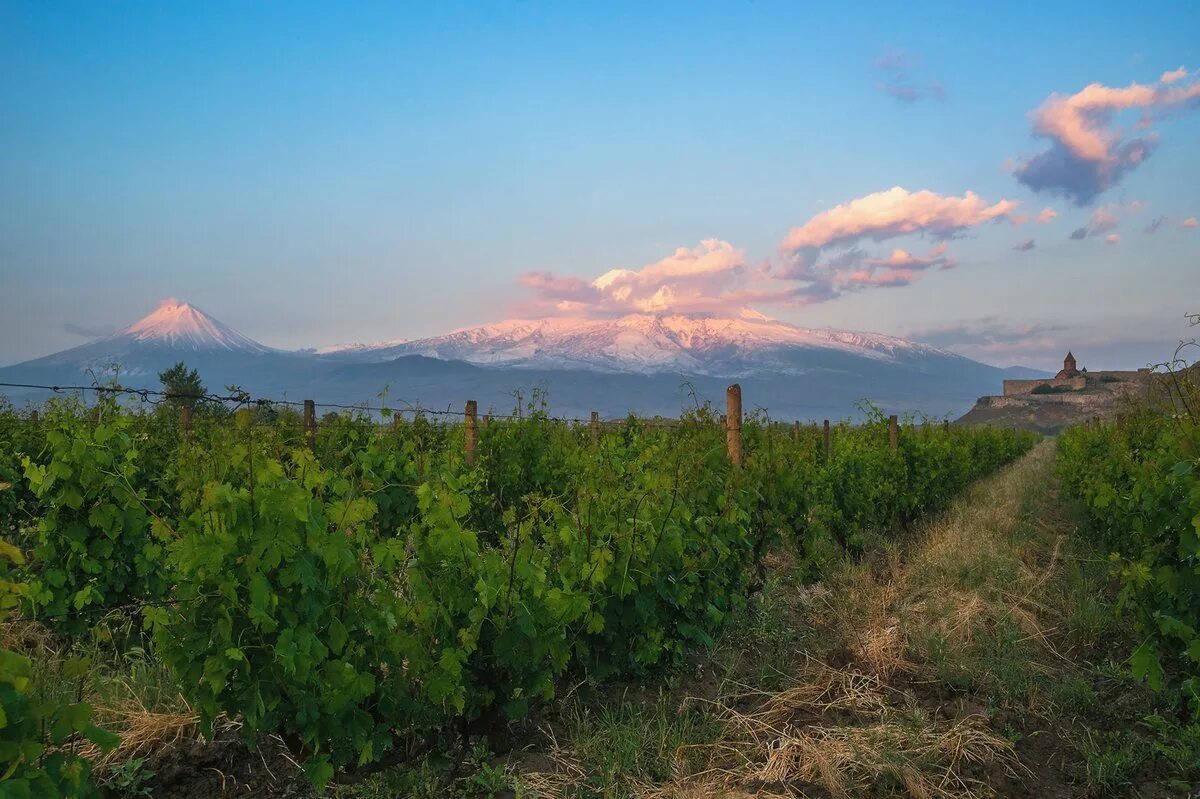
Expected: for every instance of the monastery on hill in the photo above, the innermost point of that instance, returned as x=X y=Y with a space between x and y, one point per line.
x=1070 y=379
x=1048 y=405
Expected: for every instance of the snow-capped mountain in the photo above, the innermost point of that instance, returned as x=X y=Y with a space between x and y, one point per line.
x=182 y=326
x=174 y=331
x=639 y=364
x=646 y=344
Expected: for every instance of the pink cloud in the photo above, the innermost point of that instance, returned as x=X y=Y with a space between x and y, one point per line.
x=1074 y=121
x=1106 y=218
x=1191 y=222
x=820 y=262
x=1046 y=216
x=895 y=212
x=900 y=268
x=1112 y=238
x=824 y=254
x=1103 y=220
x=902 y=259
x=871 y=277
x=561 y=287
x=1173 y=75
x=1087 y=154
x=689 y=281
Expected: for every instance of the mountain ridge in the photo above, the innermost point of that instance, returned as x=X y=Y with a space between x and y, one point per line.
x=640 y=343
x=638 y=364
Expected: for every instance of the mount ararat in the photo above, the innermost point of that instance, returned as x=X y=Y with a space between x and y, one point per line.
x=641 y=363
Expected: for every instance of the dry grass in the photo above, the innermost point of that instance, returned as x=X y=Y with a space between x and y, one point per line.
x=781 y=746
x=926 y=758
x=118 y=693
x=143 y=732
x=967 y=573
x=821 y=690
x=29 y=638
x=778 y=748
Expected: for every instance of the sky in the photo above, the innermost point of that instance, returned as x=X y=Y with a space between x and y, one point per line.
x=1004 y=183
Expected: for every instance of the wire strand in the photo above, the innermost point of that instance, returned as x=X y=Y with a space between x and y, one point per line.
x=245 y=399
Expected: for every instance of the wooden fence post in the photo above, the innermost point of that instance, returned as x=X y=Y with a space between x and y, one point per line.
x=33 y=416
x=594 y=426
x=310 y=424
x=796 y=430
x=185 y=420
x=733 y=423
x=472 y=431
x=826 y=442
x=893 y=432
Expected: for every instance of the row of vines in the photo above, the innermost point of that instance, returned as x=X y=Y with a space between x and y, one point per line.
x=372 y=596
x=1137 y=478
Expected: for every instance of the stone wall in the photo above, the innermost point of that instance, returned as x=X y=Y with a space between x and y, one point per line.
x=1132 y=376
x=1019 y=388
x=1027 y=400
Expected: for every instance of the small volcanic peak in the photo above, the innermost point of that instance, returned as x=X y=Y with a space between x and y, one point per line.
x=180 y=325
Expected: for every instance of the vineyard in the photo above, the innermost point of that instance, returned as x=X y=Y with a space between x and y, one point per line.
x=1137 y=478
x=374 y=586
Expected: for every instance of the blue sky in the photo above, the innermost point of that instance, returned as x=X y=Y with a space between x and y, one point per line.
x=313 y=174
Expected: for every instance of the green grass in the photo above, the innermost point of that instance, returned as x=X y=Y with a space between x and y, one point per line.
x=1110 y=760
x=478 y=777
x=622 y=745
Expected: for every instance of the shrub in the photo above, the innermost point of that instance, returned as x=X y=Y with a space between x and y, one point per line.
x=1046 y=388
x=33 y=732
x=1138 y=481
x=97 y=545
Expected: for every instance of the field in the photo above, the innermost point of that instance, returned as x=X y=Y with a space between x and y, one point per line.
x=207 y=602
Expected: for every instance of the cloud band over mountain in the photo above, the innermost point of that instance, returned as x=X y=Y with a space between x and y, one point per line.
x=819 y=261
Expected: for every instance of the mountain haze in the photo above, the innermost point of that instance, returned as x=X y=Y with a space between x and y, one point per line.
x=639 y=363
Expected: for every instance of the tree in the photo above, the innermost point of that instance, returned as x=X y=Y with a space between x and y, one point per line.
x=182 y=385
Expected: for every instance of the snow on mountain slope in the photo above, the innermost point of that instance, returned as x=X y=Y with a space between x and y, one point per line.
x=646 y=344
x=182 y=326
x=357 y=347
